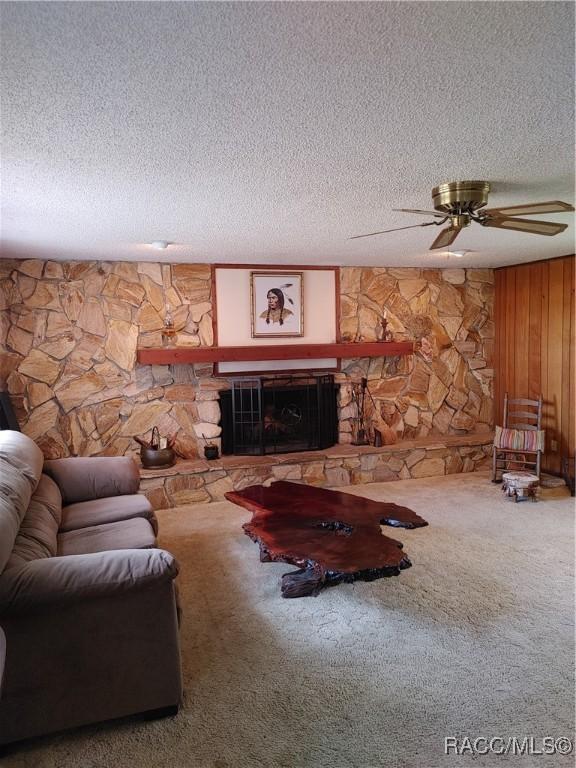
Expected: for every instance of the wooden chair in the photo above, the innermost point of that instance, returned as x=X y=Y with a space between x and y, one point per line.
x=513 y=450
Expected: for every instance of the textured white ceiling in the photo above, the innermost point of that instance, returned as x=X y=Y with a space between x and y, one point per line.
x=271 y=132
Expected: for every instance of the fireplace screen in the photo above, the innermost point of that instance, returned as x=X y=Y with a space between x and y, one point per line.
x=279 y=414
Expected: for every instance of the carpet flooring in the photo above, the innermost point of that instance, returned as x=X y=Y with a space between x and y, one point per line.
x=476 y=639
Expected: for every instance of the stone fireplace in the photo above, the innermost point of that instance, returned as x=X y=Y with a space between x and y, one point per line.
x=70 y=333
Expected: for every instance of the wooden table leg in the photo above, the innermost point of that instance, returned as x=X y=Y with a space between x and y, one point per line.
x=305 y=582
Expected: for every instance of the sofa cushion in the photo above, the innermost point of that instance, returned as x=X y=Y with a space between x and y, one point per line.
x=38 y=532
x=20 y=470
x=109 y=510
x=96 y=477
x=125 y=534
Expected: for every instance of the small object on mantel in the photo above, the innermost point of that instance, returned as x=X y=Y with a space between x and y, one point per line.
x=385 y=334
x=168 y=331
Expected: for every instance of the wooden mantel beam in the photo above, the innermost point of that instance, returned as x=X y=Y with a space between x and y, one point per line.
x=168 y=355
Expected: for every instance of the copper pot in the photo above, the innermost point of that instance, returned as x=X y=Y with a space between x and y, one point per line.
x=157 y=458
x=154 y=457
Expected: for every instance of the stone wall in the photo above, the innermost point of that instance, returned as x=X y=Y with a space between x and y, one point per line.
x=69 y=333
x=446 y=387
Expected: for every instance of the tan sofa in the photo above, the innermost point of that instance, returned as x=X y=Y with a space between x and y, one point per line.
x=87 y=601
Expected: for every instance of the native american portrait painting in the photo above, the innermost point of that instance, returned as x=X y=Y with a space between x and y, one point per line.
x=277 y=304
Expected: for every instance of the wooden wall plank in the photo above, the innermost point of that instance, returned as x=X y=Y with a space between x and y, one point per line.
x=534 y=346
x=572 y=360
x=555 y=359
x=565 y=410
x=534 y=332
x=543 y=341
x=521 y=334
x=499 y=279
x=509 y=356
x=503 y=347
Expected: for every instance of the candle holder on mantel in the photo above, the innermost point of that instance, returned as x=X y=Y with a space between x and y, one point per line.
x=168 y=331
x=385 y=334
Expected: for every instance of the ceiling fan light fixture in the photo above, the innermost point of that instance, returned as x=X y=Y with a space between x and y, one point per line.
x=458 y=254
x=160 y=245
x=462 y=202
x=460 y=196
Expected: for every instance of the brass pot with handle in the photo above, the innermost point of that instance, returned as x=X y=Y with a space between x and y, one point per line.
x=154 y=457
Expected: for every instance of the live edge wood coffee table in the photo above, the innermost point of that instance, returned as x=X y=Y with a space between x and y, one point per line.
x=331 y=536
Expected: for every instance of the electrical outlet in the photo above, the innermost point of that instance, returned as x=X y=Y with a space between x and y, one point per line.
x=553 y=445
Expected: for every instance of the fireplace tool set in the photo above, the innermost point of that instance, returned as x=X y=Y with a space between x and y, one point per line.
x=361 y=434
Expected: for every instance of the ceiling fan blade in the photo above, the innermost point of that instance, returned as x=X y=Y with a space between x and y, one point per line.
x=525 y=225
x=446 y=237
x=551 y=206
x=396 y=229
x=440 y=214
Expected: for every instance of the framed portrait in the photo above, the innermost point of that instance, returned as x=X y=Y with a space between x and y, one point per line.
x=276 y=304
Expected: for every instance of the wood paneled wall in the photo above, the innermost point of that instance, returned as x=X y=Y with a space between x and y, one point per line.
x=534 y=346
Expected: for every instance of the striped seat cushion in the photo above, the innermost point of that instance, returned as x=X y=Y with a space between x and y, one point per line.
x=519 y=439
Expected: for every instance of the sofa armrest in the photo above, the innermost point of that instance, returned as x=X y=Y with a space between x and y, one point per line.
x=56 y=581
x=97 y=477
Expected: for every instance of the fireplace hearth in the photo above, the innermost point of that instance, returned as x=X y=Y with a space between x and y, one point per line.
x=279 y=414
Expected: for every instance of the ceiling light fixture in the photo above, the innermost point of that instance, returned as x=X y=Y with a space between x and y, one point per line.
x=160 y=245
x=458 y=254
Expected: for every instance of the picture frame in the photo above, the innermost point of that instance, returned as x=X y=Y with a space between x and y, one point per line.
x=276 y=304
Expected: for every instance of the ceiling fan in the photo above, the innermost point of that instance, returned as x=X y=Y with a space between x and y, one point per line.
x=460 y=202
